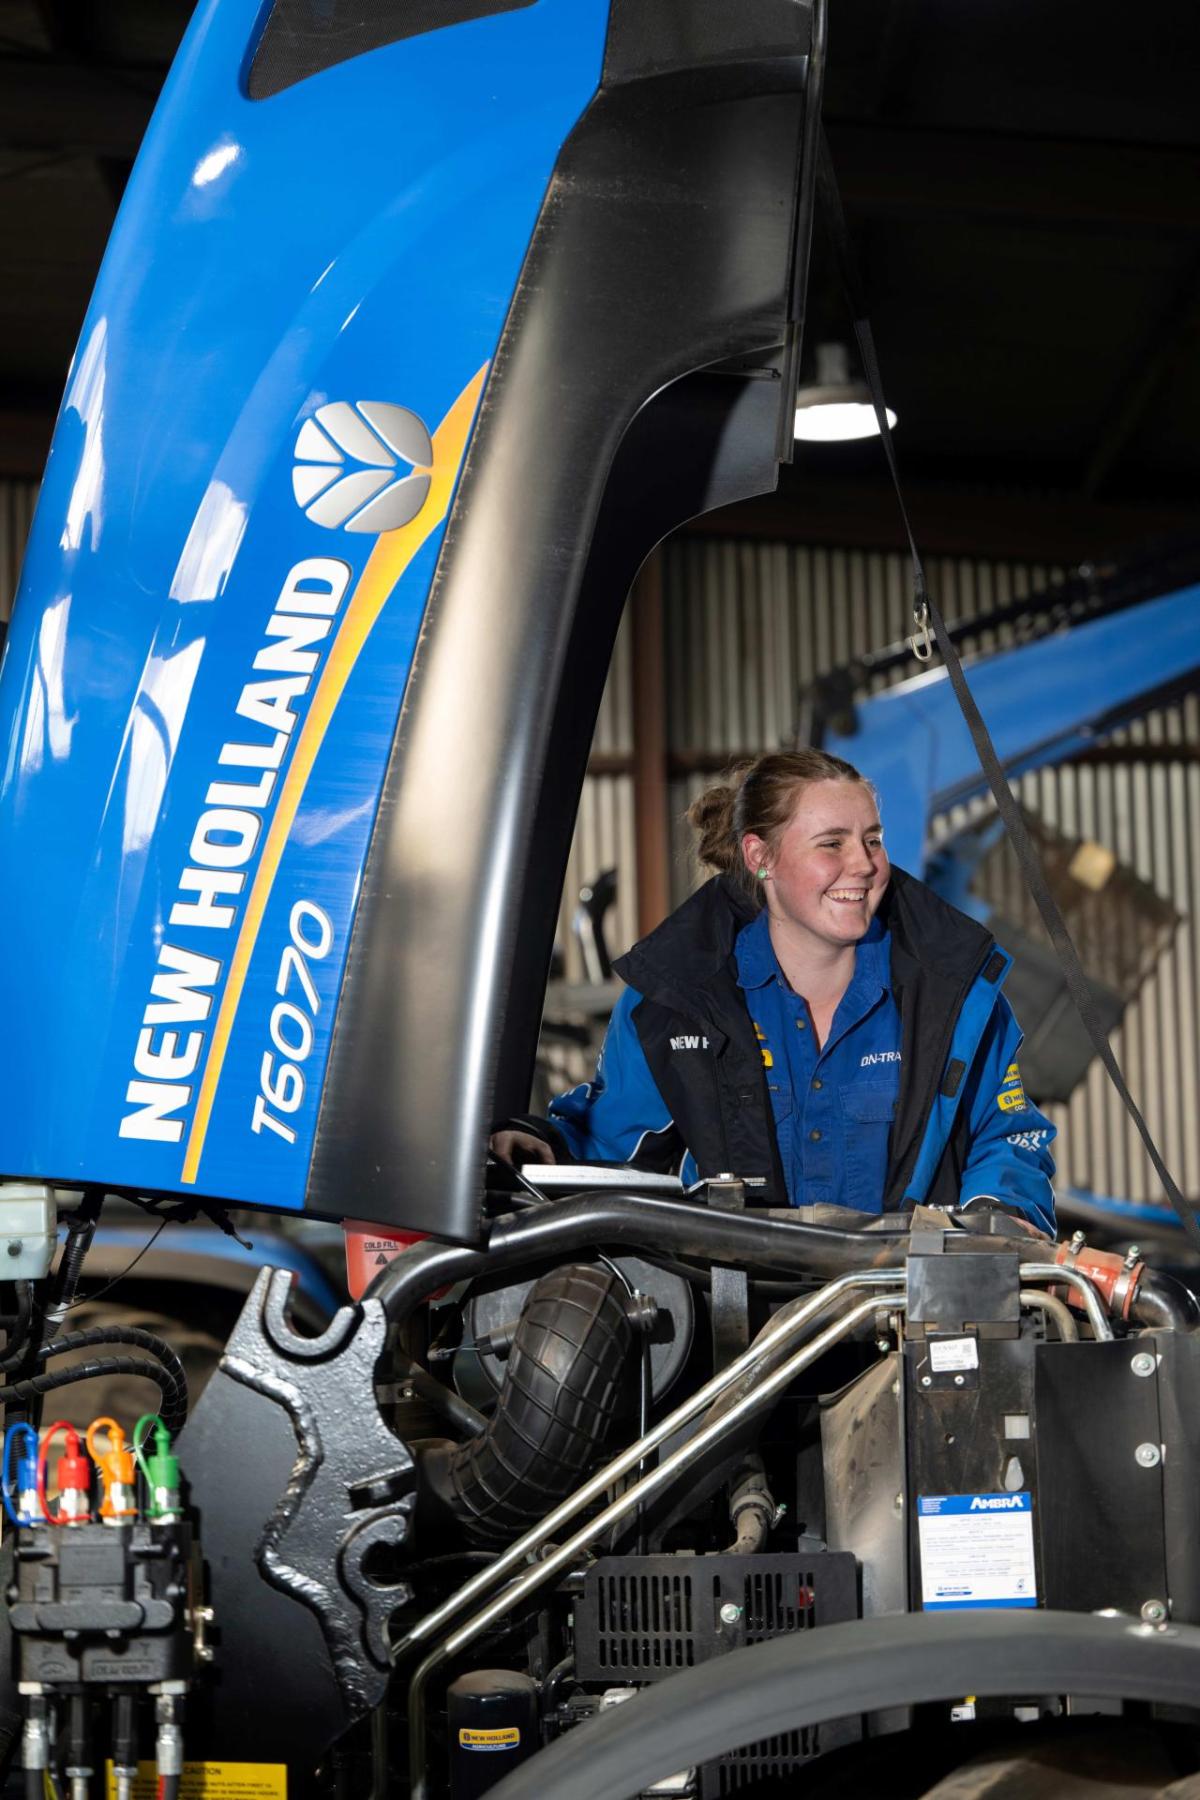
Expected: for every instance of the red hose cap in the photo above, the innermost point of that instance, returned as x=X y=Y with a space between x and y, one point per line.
x=74 y=1471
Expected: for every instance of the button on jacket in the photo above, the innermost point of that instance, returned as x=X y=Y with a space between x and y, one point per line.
x=710 y=1064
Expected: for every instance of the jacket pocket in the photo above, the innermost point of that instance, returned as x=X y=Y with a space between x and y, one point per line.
x=867 y=1111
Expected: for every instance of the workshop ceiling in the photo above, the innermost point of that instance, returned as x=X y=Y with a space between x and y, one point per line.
x=1022 y=180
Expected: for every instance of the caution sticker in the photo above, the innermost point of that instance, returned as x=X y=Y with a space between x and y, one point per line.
x=210 y=1781
x=505 y=1737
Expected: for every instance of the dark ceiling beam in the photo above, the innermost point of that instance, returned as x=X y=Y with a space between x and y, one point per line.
x=71 y=30
x=913 y=169
x=1159 y=350
x=895 y=57
x=55 y=105
x=62 y=104
x=74 y=34
x=1045 y=527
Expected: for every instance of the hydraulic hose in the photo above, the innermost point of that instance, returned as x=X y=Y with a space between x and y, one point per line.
x=174 y=1400
x=81 y=1229
x=592 y=1221
x=561 y=1391
x=18 y=1345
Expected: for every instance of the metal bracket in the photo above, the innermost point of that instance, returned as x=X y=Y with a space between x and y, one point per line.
x=352 y=1489
x=730 y=1288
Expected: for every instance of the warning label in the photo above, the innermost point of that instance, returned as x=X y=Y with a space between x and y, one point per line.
x=505 y=1737
x=211 y=1781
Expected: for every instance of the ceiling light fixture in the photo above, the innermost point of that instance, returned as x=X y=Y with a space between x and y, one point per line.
x=834 y=409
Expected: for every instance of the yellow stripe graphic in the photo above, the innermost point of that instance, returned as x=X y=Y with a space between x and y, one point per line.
x=384 y=567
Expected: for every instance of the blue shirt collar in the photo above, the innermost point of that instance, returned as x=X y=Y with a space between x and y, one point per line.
x=757 y=963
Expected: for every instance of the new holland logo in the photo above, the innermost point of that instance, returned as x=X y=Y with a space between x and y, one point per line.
x=365 y=467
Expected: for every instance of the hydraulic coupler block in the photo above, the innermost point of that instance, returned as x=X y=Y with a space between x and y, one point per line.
x=106 y=1605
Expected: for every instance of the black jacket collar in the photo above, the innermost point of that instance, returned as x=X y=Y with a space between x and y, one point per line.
x=685 y=958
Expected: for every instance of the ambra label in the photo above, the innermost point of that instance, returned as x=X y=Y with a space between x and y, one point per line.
x=976 y=1551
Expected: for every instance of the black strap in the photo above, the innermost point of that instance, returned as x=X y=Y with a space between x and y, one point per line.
x=927 y=612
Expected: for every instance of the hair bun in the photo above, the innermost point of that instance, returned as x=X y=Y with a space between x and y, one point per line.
x=759 y=795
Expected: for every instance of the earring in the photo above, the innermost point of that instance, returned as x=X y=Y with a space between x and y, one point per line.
x=761 y=873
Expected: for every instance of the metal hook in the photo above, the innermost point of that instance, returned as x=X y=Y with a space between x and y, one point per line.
x=921 y=644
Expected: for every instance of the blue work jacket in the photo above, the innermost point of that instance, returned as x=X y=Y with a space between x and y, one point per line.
x=833 y=1110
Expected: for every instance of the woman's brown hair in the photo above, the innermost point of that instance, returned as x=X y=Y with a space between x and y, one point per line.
x=757 y=795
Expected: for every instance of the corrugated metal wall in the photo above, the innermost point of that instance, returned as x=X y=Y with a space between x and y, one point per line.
x=17 y=499
x=604 y=832
x=1138 y=802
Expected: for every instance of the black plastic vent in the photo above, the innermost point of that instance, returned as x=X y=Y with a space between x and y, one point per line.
x=776 y=1603
x=642 y=1618
x=644 y=1624
x=742 y=1769
x=302 y=37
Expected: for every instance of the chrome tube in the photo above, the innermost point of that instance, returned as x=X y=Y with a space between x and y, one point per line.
x=564 y=1555
x=780 y=1331
x=1055 y=1309
x=1097 y=1318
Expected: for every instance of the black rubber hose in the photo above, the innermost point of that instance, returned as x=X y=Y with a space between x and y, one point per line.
x=81 y=1229
x=174 y=1401
x=561 y=1390
x=17 y=1348
x=595 y=1221
x=809 y=1677
x=120 y=1334
x=1162 y=1301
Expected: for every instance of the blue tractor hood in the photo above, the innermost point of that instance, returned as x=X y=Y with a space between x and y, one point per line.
x=416 y=331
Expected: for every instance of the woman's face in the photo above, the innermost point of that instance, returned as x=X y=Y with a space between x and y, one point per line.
x=828 y=870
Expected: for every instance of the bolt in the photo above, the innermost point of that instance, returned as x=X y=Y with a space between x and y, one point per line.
x=927 y=1381
x=1154 y=1612
x=15 y=1247
x=1133 y=1256
x=1148 y=1455
x=1144 y=1363
x=958 y=1380
x=730 y=1613
x=206 y=1614
x=205 y=1653
x=883 y=1345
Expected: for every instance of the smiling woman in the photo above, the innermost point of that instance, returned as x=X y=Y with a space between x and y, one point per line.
x=812 y=1019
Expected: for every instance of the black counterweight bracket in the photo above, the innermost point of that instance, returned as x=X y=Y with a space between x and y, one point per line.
x=352 y=1489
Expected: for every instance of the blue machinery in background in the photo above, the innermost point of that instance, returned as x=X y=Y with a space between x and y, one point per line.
x=1044 y=702
x=1110 y=650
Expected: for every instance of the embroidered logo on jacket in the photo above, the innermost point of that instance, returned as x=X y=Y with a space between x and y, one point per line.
x=1011 y=1097
x=760 y=1034
x=689 y=1043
